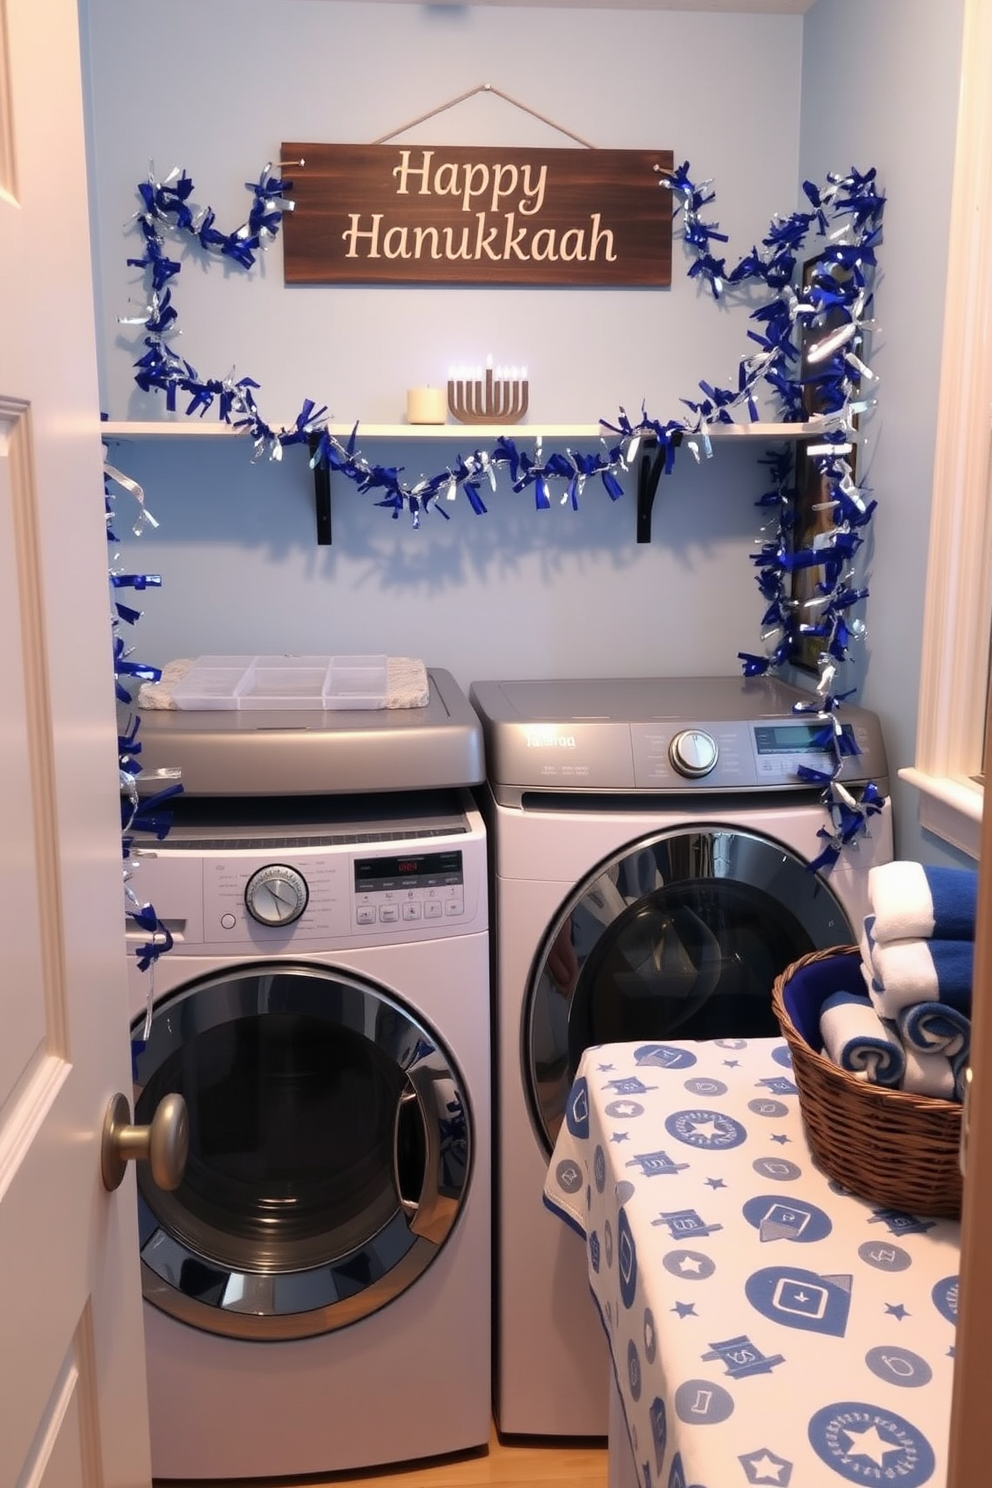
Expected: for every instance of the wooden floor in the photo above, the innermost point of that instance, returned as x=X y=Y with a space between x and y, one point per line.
x=520 y=1463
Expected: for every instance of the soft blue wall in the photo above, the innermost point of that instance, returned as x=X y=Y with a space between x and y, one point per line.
x=756 y=103
x=880 y=87
x=214 y=89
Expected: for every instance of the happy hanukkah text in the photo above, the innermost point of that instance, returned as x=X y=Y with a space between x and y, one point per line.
x=457 y=214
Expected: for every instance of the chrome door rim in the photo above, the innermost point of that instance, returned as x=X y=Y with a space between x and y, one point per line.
x=708 y=852
x=254 y=1297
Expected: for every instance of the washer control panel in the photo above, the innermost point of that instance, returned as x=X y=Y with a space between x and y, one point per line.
x=375 y=882
x=410 y=888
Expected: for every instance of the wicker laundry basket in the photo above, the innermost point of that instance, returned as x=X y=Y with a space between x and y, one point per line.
x=891 y=1147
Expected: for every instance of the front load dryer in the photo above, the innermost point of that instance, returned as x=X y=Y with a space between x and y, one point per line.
x=318 y=1287
x=652 y=845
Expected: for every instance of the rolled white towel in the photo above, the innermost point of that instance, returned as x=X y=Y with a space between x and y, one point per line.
x=934 y=1028
x=930 y=1074
x=856 y=1039
x=959 y=1064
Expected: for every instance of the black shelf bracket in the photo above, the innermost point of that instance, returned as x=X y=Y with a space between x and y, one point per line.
x=653 y=458
x=321 y=495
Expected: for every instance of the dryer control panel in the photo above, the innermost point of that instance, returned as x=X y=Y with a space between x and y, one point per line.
x=740 y=754
x=656 y=735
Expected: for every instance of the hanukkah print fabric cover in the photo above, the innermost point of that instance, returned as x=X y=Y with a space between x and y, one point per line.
x=766 y=1327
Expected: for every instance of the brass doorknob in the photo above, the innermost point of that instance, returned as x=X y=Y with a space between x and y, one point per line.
x=163 y=1143
x=965 y=1119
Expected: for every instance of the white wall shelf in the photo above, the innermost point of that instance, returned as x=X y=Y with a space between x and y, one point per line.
x=198 y=429
x=651 y=457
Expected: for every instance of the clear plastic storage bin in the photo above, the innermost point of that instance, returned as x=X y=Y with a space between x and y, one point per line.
x=283 y=682
x=355 y=682
x=213 y=682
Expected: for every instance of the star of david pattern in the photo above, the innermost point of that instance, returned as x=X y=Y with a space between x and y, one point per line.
x=766 y=1325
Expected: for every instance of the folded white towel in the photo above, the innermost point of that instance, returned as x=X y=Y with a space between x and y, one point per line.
x=866 y=946
x=407 y=683
x=904 y=972
x=913 y=900
x=159 y=694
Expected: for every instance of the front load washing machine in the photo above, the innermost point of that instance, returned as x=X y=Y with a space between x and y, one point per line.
x=652 y=845
x=318 y=1288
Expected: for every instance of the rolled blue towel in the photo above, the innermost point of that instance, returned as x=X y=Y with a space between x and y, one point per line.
x=911 y=971
x=855 y=1038
x=912 y=901
x=934 y=1028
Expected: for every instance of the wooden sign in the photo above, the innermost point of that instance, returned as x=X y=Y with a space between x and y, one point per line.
x=446 y=214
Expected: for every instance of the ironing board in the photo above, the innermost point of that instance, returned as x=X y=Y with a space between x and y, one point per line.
x=765 y=1326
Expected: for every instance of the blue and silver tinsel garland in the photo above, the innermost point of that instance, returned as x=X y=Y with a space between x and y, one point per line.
x=138 y=812
x=809 y=349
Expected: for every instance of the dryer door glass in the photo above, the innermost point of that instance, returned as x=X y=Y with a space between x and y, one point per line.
x=678 y=937
x=329 y=1151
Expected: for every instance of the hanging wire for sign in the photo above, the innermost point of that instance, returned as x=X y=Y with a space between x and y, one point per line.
x=484 y=88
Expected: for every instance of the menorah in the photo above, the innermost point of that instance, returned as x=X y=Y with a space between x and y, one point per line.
x=492 y=399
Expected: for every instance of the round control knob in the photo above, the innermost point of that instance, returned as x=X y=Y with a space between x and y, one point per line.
x=693 y=753
x=276 y=895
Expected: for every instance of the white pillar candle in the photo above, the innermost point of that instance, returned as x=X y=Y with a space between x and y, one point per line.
x=426 y=405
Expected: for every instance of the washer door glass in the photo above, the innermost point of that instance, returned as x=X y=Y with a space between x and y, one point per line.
x=679 y=937
x=329 y=1151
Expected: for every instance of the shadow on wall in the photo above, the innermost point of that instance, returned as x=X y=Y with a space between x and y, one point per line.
x=208 y=492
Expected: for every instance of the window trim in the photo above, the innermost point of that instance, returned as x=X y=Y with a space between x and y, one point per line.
x=958 y=602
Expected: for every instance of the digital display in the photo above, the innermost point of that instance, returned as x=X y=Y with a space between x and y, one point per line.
x=796 y=738
x=423 y=869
